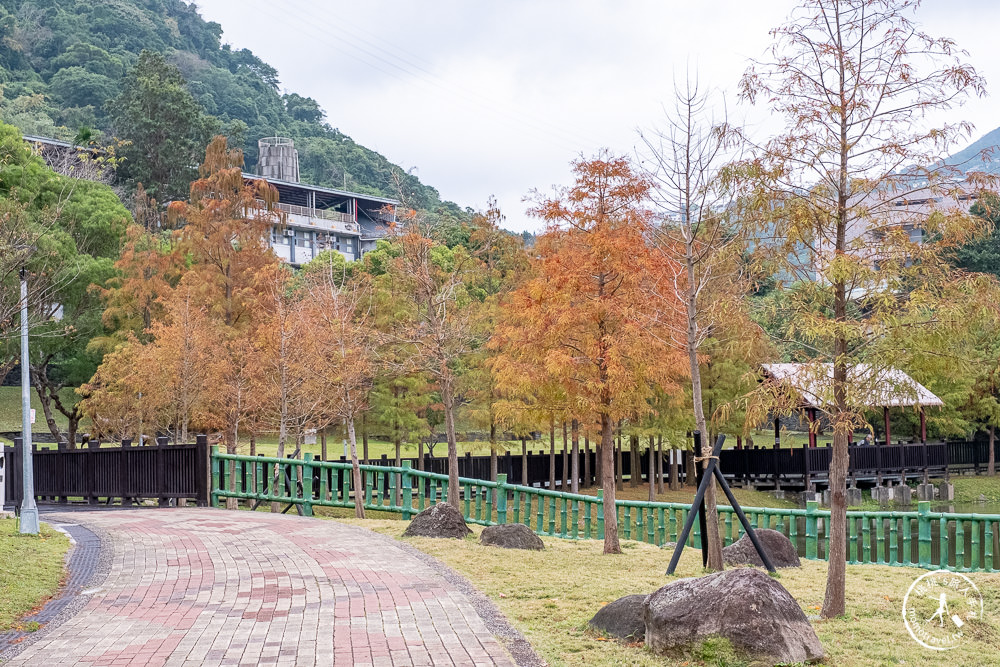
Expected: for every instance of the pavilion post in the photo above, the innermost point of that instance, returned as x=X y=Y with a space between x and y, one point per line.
x=888 y=430
x=777 y=432
x=811 y=412
x=923 y=425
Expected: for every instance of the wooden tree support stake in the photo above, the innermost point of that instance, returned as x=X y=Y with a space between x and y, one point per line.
x=713 y=471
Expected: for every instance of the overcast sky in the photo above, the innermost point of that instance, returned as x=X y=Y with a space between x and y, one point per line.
x=484 y=98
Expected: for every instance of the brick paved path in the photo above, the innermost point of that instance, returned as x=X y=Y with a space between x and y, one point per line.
x=208 y=587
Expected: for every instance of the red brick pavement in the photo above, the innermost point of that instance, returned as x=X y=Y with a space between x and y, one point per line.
x=203 y=587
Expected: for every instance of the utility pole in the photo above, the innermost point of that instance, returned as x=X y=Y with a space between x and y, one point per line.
x=29 y=511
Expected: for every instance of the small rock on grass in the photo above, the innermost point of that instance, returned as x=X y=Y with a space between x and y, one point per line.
x=511 y=536
x=440 y=520
x=622 y=618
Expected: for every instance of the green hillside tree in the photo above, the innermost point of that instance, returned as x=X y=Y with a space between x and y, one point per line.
x=76 y=229
x=167 y=128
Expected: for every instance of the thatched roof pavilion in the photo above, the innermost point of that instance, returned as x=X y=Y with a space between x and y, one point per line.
x=867 y=387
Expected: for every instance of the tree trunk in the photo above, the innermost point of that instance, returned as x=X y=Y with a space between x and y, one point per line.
x=690 y=478
x=232 y=438
x=448 y=397
x=611 y=544
x=524 y=462
x=659 y=464
x=598 y=464
x=565 y=460
x=493 y=458
x=991 y=466
x=652 y=469
x=282 y=438
x=71 y=428
x=232 y=503
x=493 y=453
x=617 y=463
x=575 y=459
x=552 y=454
x=359 y=488
x=253 y=452
x=635 y=464
x=715 y=562
x=675 y=484
x=364 y=436
x=43 y=398
x=834 y=603
x=399 y=479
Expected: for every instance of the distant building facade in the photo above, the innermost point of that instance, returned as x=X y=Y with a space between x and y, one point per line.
x=890 y=215
x=318 y=218
x=315 y=218
x=84 y=162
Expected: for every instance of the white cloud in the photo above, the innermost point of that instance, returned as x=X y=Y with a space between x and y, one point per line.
x=497 y=97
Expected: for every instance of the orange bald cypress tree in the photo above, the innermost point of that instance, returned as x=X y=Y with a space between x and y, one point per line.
x=579 y=320
x=147 y=270
x=225 y=236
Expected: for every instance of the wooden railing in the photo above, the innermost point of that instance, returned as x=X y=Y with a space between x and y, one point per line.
x=791 y=466
x=959 y=542
x=127 y=473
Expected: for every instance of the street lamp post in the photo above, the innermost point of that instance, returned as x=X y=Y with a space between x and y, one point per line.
x=29 y=511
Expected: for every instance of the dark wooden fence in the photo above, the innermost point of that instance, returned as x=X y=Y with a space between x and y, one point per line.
x=96 y=474
x=803 y=466
x=538 y=466
x=793 y=467
x=164 y=472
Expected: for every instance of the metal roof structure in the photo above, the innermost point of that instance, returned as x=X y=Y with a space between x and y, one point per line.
x=878 y=388
x=322 y=190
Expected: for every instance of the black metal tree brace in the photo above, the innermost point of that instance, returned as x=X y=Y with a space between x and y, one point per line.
x=714 y=472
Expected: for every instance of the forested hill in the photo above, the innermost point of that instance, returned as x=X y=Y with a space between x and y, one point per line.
x=971 y=158
x=62 y=60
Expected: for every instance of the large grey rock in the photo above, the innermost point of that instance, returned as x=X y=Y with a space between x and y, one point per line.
x=744 y=605
x=511 y=536
x=622 y=618
x=779 y=549
x=441 y=520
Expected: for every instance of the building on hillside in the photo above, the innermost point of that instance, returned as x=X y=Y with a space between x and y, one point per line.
x=315 y=218
x=318 y=218
x=90 y=163
x=868 y=236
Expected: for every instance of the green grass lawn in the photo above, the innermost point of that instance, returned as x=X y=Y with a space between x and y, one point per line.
x=31 y=569
x=268 y=445
x=10 y=410
x=550 y=596
x=685 y=494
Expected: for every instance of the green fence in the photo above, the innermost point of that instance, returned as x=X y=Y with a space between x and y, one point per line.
x=958 y=542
